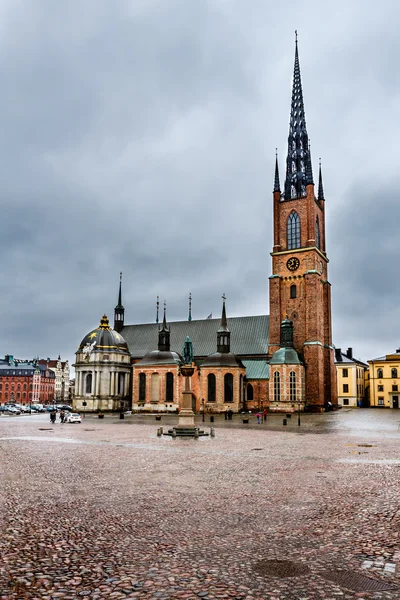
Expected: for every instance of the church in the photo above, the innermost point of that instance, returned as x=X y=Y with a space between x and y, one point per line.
x=283 y=361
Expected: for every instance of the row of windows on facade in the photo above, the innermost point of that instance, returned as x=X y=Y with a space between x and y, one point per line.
x=293 y=231
x=169 y=387
x=22 y=395
x=395 y=388
x=379 y=373
x=360 y=388
x=292 y=387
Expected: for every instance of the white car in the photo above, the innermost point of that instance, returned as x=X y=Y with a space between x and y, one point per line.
x=74 y=418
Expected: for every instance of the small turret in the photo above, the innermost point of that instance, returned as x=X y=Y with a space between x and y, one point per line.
x=119 y=311
x=223 y=334
x=164 y=333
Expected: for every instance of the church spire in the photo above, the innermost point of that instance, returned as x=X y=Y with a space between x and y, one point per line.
x=164 y=333
x=119 y=311
x=190 y=307
x=320 y=184
x=297 y=159
x=277 y=185
x=223 y=335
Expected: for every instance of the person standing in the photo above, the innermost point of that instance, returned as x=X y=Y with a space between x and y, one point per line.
x=258 y=418
x=265 y=415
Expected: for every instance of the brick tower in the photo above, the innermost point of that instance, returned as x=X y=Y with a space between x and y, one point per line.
x=299 y=286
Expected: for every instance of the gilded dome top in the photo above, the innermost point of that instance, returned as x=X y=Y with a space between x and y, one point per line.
x=103 y=339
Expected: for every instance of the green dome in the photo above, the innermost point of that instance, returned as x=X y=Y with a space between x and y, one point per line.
x=285 y=356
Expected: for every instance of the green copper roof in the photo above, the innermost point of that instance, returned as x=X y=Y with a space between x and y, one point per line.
x=256 y=369
x=285 y=356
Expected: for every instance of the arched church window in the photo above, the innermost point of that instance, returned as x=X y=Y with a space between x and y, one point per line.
x=88 y=383
x=317 y=237
x=142 y=387
x=250 y=392
x=394 y=373
x=293 y=291
x=292 y=387
x=228 y=387
x=211 y=387
x=155 y=387
x=277 y=386
x=169 y=387
x=379 y=373
x=293 y=231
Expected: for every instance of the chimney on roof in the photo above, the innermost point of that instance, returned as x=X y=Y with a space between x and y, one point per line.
x=338 y=354
x=349 y=353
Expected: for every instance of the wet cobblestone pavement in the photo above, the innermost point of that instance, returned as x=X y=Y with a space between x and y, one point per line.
x=106 y=509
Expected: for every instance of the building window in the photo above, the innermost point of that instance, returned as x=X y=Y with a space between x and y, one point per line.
x=277 y=387
x=121 y=384
x=345 y=372
x=88 y=384
x=142 y=387
x=395 y=388
x=293 y=231
x=155 y=387
x=394 y=373
x=250 y=392
x=345 y=388
x=381 y=402
x=345 y=401
x=317 y=238
x=293 y=291
x=379 y=373
x=211 y=387
x=292 y=387
x=169 y=387
x=228 y=387
x=380 y=388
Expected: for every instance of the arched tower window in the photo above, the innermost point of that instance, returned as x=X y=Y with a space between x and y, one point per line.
x=293 y=231
x=379 y=373
x=155 y=387
x=292 y=387
x=228 y=387
x=394 y=373
x=88 y=384
x=211 y=387
x=317 y=237
x=250 y=392
x=169 y=387
x=142 y=387
x=293 y=291
x=277 y=386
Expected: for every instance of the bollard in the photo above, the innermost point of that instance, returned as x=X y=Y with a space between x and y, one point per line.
x=121 y=415
x=212 y=432
x=159 y=432
x=174 y=433
x=284 y=421
x=212 y=419
x=196 y=433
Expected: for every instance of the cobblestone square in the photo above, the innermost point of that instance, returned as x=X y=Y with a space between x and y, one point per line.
x=107 y=509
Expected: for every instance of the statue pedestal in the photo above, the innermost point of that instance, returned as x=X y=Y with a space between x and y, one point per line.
x=186 y=414
x=186 y=426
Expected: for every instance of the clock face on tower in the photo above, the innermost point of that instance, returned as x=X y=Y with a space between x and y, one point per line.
x=293 y=263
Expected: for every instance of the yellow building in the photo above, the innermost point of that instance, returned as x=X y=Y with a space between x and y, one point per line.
x=351 y=379
x=385 y=380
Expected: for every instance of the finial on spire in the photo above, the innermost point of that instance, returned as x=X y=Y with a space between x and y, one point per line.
x=295 y=33
x=190 y=307
x=297 y=156
x=158 y=308
x=224 y=323
x=277 y=185
x=320 y=184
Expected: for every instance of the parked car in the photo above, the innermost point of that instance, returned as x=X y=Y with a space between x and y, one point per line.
x=38 y=407
x=13 y=410
x=74 y=418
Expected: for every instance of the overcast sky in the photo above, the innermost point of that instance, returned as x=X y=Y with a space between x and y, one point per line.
x=139 y=136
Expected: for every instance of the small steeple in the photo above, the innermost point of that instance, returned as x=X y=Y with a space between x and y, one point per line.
x=164 y=333
x=158 y=308
x=298 y=152
x=223 y=334
x=190 y=307
x=277 y=185
x=309 y=173
x=119 y=310
x=320 y=184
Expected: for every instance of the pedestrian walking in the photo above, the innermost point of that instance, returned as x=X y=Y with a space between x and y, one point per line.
x=258 y=418
x=265 y=415
x=62 y=416
x=53 y=416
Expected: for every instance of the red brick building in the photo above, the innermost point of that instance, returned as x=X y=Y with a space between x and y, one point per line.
x=25 y=382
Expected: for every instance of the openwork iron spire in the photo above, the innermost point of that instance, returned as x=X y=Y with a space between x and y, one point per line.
x=298 y=152
x=277 y=185
x=190 y=307
x=309 y=173
x=320 y=184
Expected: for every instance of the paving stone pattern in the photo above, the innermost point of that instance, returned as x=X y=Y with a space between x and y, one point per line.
x=108 y=510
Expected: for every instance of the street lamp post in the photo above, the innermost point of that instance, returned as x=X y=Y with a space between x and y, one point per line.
x=203 y=415
x=298 y=416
